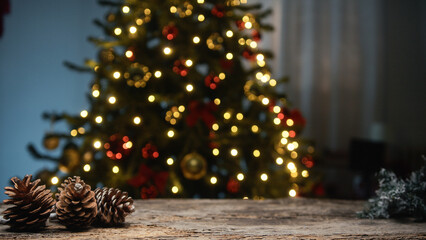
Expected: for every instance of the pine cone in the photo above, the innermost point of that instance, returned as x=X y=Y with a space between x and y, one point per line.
x=113 y=206
x=76 y=205
x=33 y=204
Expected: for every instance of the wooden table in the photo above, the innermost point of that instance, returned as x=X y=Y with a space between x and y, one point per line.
x=241 y=219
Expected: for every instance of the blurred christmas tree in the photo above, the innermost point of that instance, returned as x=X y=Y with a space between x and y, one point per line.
x=182 y=104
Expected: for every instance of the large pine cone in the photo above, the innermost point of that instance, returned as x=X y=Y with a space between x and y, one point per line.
x=76 y=205
x=33 y=204
x=113 y=206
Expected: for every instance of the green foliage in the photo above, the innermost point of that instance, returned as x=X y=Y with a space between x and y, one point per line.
x=398 y=197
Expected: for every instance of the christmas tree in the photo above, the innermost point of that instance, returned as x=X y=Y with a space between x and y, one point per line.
x=182 y=104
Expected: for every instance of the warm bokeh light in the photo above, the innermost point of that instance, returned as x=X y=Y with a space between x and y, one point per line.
x=175 y=189
x=196 y=39
x=213 y=180
x=189 y=88
x=279 y=161
x=84 y=113
x=234 y=152
x=215 y=151
x=240 y=177
x=112 y=100
x=170 y=161
x=54 y=180
x=167 y=51
x=97 y=144
x=157 y=74
x=292 y=193
x=86 y=168
x=264 y=177
x=137 y=120
x=98 y=119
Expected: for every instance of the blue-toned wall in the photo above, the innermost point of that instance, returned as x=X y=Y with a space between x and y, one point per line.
x=38 y=37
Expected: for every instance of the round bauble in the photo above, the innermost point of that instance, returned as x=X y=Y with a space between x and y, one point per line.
x=193 y=166
x=50 y=141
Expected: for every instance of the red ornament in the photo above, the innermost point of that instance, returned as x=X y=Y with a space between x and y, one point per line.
x=152 y=183
x=308 y=161
x=218 y=11
x=180 y=68
x=211 y=81
x=249 y=54
x=118 y=147
x=297 y=118
x=256 y=36
x=150 y=151
x=149 y=192
x=201 y=111
x=170 y=32
x=240 y=25
x=233 y=186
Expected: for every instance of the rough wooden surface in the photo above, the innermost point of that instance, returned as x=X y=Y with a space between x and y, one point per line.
x=241 y=219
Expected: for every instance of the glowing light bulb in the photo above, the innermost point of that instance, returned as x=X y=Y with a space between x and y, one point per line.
x=133 y=29
x=293 y=155
x=117 y=31
x=157 y=74
x=229 y=33
x=229 y=56
x=181 y=108
x=129 y=54
x=54 y=180
x=273 y=82
x=285 y=134
x=137 y=120
x=188 y=63
x=291 y=167
x=84 y=113
x=260 y=57
x=234 y=152
x=290 y=147
x=170 y=133
x=125 y=9
x=254 y=128
x=305 y=173
x=292 y=193
x=201 y=17
x=289 y=122
x=112 y=100
x=256 y=153
x=215 y=151
x=116 y=74
x=170 y=161
x=98 y=119
x=73 y=132
x=253 y=44
x=115 y=169
x=279 y=161
x=97 y=144
x=217 y=101
x=86 y=168
x=227 y=115
x=277 y=121
x=248 y=25
x=189 y=87
x=81 y=130
x=215 y=126
x=213 y=180
x=173 y=9
x=222 y=76
x=200 y=1
x=240 y=177
x=234 y=129
x=151 y=98
x=264 y=177
x=265 y=101
x=96 y=93
x=240 y=116
x=196 y=40
x=167 y=50
x=175 y=189
x=294 y=174
x=284 y=141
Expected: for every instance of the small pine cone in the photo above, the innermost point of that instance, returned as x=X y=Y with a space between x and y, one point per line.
x=113 y=206
x=76 y=205
x=33 y=204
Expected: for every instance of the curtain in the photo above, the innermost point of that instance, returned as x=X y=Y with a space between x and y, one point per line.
x=330 y=49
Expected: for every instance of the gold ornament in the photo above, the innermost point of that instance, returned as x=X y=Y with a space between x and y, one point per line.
x=214 y=42
x=194 y=166
x=70 y=159
x=50 y=142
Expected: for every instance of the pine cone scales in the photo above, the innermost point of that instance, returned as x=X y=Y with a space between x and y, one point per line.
x=33 y=204
x=76 y=206
x=113 y=206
